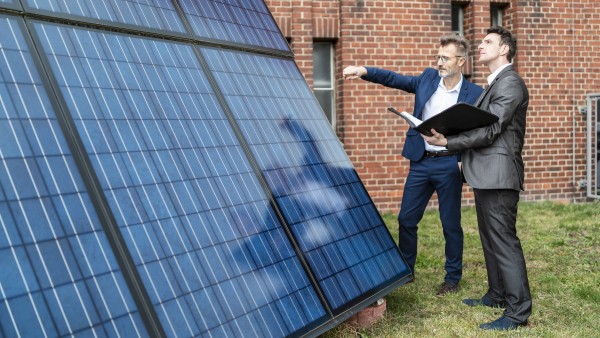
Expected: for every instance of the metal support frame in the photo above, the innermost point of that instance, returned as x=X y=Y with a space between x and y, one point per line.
x=592 y=133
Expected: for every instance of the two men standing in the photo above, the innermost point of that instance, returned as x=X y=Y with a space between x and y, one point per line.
x=492 y=165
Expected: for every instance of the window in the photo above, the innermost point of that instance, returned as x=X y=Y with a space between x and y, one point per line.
x=496 y=15
x=457 y=19
x=323 y=65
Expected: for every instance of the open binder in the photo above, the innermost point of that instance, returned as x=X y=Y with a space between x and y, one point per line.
x=453 y=120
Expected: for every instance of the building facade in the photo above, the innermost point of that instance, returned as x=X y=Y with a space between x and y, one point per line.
x=557 y=57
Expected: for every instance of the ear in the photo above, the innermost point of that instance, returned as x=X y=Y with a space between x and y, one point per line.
x=504 y=49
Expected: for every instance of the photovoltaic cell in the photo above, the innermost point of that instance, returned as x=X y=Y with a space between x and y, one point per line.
x=58 y=274
x=11 y=4
x=207 y=244
x=238 y=21
x=339 y=230
x=154 y=14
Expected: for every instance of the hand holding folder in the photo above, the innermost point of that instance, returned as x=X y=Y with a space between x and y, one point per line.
x=451 y=121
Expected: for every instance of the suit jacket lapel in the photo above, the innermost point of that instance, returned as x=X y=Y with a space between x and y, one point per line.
x=487 y=88
x=464 y=90
x=483 y=94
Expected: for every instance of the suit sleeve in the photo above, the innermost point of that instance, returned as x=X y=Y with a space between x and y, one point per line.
x=505 y=98
x=393 y=80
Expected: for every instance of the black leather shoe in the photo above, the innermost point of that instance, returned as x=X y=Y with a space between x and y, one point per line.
x=447 y=288
x=502 y=324
x=484 y=301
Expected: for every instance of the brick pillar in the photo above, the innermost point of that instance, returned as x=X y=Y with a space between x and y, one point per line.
x=302 y=39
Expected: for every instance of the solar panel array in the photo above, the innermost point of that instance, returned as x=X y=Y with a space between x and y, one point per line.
x=156 y=185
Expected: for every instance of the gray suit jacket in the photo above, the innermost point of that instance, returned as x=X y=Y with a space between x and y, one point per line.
x=491 y=155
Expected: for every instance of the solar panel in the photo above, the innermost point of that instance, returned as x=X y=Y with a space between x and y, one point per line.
x=154 y=186
x=153 y=14
x=59 y=275
x=315 y=185
x=235 y=21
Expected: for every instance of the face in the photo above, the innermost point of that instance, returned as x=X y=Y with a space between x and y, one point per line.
x=450 y=68
x=490 y=49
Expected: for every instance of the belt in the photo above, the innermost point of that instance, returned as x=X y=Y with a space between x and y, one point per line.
x=439 y=153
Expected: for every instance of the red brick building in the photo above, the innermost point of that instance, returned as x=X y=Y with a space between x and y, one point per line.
x=558 y=57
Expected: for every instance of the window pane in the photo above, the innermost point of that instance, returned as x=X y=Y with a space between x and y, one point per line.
x=496 y=16
x=325 y=98
x=457 y=18
x=322 y=64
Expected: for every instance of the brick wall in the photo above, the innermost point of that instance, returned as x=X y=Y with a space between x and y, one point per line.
x=558 y=46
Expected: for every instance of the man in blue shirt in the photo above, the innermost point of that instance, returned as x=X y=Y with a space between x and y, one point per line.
x=432 y=168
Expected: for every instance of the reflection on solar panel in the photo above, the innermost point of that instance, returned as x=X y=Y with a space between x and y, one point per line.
x=313 y=181
x=150 y=186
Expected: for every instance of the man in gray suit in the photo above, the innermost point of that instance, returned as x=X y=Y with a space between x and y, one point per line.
x=493 y=167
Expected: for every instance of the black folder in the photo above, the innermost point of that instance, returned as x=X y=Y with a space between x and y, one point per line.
x=453 y=120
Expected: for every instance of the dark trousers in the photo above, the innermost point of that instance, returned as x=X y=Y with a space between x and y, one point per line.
x=442 y=175
x=504 y=260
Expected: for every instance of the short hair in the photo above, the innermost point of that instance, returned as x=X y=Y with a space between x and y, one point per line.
x=506 y=38
x=462 y=45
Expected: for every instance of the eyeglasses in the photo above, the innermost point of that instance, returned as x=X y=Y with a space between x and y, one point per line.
x=445 y=59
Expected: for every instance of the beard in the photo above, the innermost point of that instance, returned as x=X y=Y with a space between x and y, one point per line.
x=444 y=73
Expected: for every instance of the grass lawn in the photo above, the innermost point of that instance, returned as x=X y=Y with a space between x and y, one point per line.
x=561 y=243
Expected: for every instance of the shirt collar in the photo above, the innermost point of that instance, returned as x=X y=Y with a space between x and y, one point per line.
x=492 y=76
x=455 y=89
